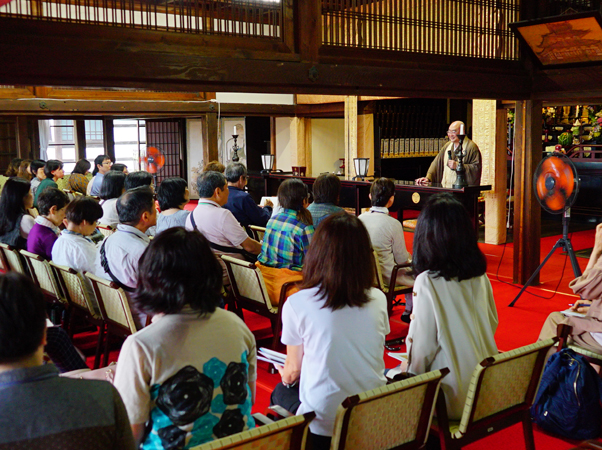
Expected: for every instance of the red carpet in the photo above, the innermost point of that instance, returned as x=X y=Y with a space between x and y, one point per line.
x=518 y=326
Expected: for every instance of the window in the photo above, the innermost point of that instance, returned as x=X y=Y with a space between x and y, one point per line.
x=61 y=143
x=130 y=142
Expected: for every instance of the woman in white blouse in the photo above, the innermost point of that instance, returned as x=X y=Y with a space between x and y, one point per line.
x=454 y=317
x=111 y=189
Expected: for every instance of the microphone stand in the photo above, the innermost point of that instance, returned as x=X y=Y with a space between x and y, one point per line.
x=460 y=170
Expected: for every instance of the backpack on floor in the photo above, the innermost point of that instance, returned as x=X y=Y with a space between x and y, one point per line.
x=568 y=399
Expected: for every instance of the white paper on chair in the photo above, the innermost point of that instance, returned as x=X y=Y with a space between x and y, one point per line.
x=274 y=200
x=569 y=312
x=265 y=354
x=399 y=356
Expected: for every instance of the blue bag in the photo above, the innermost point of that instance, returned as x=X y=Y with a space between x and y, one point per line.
x=568 y=399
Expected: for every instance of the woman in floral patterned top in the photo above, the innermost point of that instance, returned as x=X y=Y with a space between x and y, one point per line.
x=189 y=377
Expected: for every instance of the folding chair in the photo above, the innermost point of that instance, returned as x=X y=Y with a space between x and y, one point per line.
x=250 y=292
x=395 y=416
x=43 y=276
x=258 y=232
x=391 y=294
x=82 y=302
x=501 y=392
x=398 y=289
x=106 y=230
x=287 y=434
x=114 y=309
x=12 y=259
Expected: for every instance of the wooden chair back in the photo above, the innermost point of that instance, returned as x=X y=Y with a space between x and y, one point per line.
x=77 y=290
x=70 y=194
x=43 y=275
x=395 y=416
x=390 y=292
x=258 y=232
x=500 y=394
x=12 y=259
x=286 y=434
x=563 y=332
x=113 y=304
x=248 y=286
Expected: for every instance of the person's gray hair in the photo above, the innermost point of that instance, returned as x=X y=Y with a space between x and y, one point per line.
x=208 y=181
x=234 y=171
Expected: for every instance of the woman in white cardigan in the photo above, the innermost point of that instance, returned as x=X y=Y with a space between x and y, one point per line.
x=454 y=317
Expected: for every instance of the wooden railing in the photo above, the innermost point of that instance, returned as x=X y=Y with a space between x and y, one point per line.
x=247 y=18
x=470 y=28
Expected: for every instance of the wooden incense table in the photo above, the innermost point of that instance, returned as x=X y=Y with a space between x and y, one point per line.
x=408 y=195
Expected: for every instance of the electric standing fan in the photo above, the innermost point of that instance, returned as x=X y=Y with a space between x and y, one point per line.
x=556 y=185
x=154 y=161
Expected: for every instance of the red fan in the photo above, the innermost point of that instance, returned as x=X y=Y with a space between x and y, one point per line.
x=556 y=185
x=154 y=160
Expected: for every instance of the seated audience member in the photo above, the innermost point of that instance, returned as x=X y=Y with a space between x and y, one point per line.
x=587 y=331
x=118 y=257
x=112 y=188
x=102 y=165
x=24 y=170
x=218 y=224
x=78 y=181
x=386 y=235
x=286 y=239
x=214 y=166
x=240 y=202
x=120 y=168
x=73 y=248
x=13 y=167
x=213 y=357
x=37 y=170
x=455 y=316
x=52 y=203
x=138 y=179
x=38 y=409
x=172 y=195
x=53 y=169
x=326 y=191
x=15 y=221
x=334 y=328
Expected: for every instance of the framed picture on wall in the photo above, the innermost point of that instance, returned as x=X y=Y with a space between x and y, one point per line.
x=561 y=41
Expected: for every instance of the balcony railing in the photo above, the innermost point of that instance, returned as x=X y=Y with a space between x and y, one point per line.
x=248 y=18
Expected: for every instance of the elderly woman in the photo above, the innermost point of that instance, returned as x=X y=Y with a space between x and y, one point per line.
x=189 y=377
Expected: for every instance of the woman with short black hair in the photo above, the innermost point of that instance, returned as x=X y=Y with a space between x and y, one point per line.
x=172 y=195
x=190 y=374
x=53 y=170
x=454 y=316
x=110 y=190
x=334 y=328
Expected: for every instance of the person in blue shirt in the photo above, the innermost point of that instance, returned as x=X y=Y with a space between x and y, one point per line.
x=326 y=190
x=240 y=202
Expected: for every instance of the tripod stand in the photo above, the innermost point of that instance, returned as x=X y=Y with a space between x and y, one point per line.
x=565 y=243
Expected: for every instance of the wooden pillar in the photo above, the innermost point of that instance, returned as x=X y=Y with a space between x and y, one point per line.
x=108 y=137
x=301 y=143
x=80 y=138
x=350 y=135
x=210 y=150
x=273 y=140
x=489 y=125
x=365 y=139
x=23 y=141
x=527 y=212
x=309 y=14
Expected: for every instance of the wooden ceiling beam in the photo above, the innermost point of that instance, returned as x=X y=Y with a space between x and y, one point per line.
x=138 y=108
x=59 y=54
